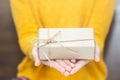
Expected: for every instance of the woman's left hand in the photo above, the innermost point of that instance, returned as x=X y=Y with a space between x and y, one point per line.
x=81 y=63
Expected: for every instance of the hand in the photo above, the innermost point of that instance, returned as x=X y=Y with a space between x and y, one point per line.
x=82 y=63
x=64 y=66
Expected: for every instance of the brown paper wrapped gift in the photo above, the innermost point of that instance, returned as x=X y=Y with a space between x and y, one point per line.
x=66 y=43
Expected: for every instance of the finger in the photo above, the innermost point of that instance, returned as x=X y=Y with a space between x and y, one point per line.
x=78 y=65
x=58 y=67
x=46 y=62
x=64 y=65
x=97 y=54
x=73 y=60
x=54 y=65
x=66 y=73
x=68 y=62
x=35 y=56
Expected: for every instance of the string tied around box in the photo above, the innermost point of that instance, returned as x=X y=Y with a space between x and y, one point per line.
x=41 y=43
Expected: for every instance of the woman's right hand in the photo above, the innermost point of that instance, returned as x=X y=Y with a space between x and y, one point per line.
x=64 y=66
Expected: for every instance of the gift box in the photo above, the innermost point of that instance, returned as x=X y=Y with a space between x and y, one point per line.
x=66 y=43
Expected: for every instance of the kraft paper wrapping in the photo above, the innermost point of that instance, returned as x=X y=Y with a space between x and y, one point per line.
x=66 y=43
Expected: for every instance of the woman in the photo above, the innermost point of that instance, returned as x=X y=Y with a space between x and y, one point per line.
x=29 y=15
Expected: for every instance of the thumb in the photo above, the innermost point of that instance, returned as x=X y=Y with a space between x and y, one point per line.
x=36 y=56
x=97 y=54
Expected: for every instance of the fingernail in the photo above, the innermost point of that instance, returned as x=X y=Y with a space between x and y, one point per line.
x=72 y=65
x=98 y=59
x=72 y=73
x=62 y=70
x=66 y=73
x=37 y=63
x=68 y=68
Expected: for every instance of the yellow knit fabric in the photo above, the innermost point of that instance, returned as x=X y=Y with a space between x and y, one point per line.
x=29 y=15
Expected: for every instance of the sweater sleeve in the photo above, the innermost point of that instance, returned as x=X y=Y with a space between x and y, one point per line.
x=26 y=26
x=100 y=20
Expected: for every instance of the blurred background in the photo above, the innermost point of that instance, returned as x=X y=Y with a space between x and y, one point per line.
x=10 y=54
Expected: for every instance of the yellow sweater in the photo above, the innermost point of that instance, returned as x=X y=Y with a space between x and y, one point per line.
x=29 y=15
